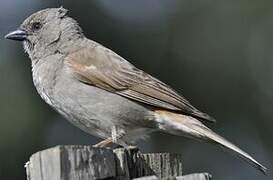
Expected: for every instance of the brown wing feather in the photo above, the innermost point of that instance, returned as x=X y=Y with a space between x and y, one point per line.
x=103 y=68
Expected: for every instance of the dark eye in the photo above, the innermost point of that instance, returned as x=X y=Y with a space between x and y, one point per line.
x=36 y=26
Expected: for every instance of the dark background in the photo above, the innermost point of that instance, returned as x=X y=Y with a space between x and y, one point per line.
x=218 y=54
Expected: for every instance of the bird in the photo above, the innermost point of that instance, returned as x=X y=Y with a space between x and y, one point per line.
x=102 y=93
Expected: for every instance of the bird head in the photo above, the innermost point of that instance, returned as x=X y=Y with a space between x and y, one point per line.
x=46 y=31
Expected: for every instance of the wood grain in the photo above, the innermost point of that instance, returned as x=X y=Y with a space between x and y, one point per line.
x=87 y=163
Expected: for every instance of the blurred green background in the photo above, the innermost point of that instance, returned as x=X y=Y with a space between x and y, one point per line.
x=218 y=54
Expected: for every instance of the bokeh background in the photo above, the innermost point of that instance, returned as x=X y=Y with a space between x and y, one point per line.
x=218 y=54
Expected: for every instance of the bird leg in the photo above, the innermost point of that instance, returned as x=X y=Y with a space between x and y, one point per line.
x=116 y=134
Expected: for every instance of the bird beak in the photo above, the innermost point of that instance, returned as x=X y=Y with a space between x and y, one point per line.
x=18 y=35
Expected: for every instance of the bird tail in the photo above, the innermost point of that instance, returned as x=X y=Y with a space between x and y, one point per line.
x=183 y=125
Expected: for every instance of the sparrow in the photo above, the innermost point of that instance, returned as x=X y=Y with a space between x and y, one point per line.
x=102 y=93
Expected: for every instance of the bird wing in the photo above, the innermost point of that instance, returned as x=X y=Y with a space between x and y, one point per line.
x=101 y=67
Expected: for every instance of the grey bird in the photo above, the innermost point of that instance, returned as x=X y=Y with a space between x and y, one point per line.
x=103 y=94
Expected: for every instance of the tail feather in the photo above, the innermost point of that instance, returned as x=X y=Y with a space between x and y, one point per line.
x=179 y=124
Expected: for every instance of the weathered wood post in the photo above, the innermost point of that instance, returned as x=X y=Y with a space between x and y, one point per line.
x=87 y=163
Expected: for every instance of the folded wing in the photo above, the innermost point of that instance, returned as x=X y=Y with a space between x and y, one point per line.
x=101 y=67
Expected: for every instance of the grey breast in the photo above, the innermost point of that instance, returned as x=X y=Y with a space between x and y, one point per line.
x=90 y=108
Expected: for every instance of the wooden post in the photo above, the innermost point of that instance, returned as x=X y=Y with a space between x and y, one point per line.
x=87 y=163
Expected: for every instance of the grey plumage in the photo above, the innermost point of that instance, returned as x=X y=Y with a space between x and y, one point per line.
x=102 y=93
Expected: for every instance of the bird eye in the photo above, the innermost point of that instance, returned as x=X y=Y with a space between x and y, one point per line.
x=36 y=26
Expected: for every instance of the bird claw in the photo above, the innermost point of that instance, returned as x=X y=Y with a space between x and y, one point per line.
x=116 y=134
x=103 y=143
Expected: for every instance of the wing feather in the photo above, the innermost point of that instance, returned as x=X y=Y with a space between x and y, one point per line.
x=103 y=68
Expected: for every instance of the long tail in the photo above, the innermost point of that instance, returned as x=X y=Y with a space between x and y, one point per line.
x=179 y=124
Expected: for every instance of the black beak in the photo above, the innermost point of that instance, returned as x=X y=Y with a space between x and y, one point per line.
x=18 y=35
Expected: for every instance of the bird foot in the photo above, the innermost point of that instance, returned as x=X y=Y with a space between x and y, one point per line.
x=104 y=143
